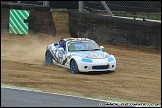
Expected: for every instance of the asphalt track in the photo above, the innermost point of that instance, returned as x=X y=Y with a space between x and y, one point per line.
x=23 y=98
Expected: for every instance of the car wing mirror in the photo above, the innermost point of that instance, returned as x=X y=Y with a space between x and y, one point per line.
x=101 y=47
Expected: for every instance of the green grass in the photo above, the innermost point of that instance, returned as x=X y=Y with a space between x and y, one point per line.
x=152 y=16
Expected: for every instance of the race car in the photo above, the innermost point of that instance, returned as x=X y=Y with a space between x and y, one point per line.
x=79 y=55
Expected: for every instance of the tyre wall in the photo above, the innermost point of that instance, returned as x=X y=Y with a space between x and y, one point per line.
x=40 y=18
x=115 y=30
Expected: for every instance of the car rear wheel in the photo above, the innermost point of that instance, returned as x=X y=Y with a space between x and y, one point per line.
x=74 y=67
x=48 y=58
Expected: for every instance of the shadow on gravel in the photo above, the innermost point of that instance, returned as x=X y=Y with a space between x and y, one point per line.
x=96 y=72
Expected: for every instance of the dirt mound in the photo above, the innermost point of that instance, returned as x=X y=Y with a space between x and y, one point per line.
x=137 y=77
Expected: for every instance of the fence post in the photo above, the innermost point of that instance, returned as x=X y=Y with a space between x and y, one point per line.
x=45 y=3
x=81 y=5
x=107 y=8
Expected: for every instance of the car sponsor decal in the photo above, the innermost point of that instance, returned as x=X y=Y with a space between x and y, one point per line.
x=96 y=55
x=53 y=52
x=65 y=61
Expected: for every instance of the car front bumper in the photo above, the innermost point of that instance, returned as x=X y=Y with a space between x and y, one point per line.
x=97 y=65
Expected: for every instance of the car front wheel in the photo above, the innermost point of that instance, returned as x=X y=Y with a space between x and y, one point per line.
x=74 y=67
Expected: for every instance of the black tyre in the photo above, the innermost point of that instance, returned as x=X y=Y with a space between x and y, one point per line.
x=74 y=67
x=48 y=58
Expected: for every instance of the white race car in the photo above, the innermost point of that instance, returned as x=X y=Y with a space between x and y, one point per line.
x=79 y=55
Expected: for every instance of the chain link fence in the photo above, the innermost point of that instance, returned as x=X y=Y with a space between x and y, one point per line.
x=61 y=20
x=135 y=9
x=25 y=2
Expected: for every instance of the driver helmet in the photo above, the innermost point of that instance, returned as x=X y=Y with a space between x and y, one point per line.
x=62 y=43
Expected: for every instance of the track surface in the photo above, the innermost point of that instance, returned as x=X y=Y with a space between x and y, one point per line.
x=137 y=77
x=23 y=98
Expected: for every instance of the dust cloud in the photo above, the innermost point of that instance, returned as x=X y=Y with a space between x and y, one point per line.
x=27 y=49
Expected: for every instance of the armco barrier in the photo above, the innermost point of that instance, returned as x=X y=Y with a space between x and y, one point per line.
x=40 y=18
x=115 y=30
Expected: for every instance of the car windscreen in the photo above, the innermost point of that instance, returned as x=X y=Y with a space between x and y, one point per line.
x=83 y=46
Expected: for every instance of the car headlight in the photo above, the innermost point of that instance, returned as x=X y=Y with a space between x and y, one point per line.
x=111 y=59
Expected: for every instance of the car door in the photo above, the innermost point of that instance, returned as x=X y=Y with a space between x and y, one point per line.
x=61 y=55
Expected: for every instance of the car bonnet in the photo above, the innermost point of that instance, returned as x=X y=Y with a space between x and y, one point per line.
x=89 y=54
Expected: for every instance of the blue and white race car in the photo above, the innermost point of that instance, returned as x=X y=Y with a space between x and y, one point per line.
x=79 y=55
